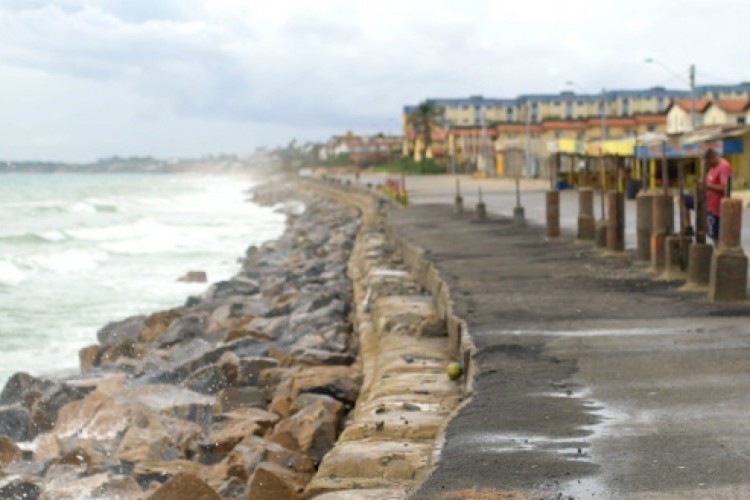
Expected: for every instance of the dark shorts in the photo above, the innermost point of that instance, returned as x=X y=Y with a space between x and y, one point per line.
x=712 y=225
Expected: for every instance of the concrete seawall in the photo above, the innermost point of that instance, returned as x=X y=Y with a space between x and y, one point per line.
x=408 y=333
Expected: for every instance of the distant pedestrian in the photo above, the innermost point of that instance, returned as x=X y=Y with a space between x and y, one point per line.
x=717 y=176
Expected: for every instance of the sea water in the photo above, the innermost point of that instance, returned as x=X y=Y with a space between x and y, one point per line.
x=80 y=250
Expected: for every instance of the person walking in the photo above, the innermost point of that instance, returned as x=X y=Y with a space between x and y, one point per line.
x=717 y=176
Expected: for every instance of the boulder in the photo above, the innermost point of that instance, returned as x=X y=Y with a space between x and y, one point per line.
x=229 y=433
x=193 y=277
x=208 y=380
x=277 y=454
x=156 y=324
x=19 y=385
x=9 y=451
x=182 y=486
x=250 y=368
x=312 y=430
x=271 y=482
x=193 y=356
x=44 y=411
x=232 y=398
x=14 y=422
x=18 y=487
x=272 y=328
x=117 y=332
x=89 y=356
x=339 y=382
x=238 y=286
x=233 y=488
x=183 y=328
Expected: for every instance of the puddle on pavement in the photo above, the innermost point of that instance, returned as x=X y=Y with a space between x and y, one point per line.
x=573 y=448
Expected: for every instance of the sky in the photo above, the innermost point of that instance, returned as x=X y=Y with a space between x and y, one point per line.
x=85 y=79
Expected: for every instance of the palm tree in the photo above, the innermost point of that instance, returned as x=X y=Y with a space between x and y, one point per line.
x=423 y=119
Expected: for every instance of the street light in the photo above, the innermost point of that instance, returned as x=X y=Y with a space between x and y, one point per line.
x=690 y=81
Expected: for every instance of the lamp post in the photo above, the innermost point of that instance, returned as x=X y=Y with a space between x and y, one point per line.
x=690 y=81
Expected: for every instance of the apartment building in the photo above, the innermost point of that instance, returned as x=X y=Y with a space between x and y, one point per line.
x=477 y=110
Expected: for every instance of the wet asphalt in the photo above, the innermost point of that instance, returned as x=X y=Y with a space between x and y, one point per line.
x=594 y=380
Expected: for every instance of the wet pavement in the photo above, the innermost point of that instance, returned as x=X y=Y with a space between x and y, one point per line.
x=594 y=380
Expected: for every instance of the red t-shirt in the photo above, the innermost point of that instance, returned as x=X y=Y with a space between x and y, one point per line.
x=717 y=175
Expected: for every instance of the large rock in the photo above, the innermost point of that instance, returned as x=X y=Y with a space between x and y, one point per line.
x=17 y=488
x=154 y=437
x=195 y=355
x=14 y=422
x=9 y=451
x=271 y=482
x=44 y=411
x=312 y=430
x=117 y=332
x=237 y=286
x=251 y=367
x=19 y=385
x=233 y=398
x=156 y=324
x=235 y=426
x=183 y=486
x=183 y=328
x=339 y=382
x=212 y=378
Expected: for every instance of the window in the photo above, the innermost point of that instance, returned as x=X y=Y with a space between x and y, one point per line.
x=558 y=134
x=568 y=109
x=660 y=103
x=580 y=135
x=509 y=114
x=650 y=128
x=625 y=106
x=740 y=120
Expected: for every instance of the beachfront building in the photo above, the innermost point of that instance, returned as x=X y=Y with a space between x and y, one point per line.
x=727 y=112
x=531 y=128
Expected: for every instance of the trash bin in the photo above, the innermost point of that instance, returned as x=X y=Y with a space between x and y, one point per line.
x=631 y=188
x=562 y=184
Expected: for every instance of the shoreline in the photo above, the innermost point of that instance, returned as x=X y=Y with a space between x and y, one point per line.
x=228 y=368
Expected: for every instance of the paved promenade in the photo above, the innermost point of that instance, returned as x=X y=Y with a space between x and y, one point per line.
x=594 y=380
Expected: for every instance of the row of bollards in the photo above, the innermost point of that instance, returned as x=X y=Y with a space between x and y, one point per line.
x=673 y=254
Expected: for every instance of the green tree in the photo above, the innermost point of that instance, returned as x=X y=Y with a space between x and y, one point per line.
x=423 y=119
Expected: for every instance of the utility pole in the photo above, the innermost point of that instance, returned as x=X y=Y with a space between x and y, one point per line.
x=528 y=138
x=692 y=96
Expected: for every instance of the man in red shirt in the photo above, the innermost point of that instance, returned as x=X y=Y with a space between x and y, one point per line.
x=718 y=173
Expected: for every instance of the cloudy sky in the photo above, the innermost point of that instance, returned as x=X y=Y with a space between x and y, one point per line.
x=82 y=79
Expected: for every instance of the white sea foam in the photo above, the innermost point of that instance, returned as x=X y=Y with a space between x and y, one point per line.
x=67 y=261
x=10 y=274
x=143 y=227
x=83 y=250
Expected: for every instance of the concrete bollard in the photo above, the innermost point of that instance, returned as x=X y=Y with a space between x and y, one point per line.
x=643 y=225
x=662 y=217
x=600 y=233
x=519 y=217
x=481 y=211
x=481 y=207
x=616 y=221
x=676 y=256
x=553 y=213
x=728 y=279
x=699 y=264
x=586 y=224
x=459 y=200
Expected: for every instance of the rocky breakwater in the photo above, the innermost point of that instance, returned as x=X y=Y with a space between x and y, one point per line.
x=237 y=394
x=402 y=314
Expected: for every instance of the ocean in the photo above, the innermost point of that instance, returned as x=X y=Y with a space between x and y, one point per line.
x=80 y=250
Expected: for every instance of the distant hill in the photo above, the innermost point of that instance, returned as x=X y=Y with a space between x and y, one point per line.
x=219 y=164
